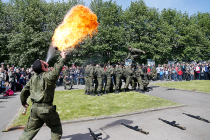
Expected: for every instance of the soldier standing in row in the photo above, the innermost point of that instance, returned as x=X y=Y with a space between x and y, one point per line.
x=41 y=88
x=119 y=73
x=100 y=76
x=109 y=84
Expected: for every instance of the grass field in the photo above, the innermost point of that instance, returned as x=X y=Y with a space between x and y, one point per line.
x=195 y=85
x=74 y=104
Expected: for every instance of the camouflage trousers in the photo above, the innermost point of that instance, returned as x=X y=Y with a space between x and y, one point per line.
x=128 y=80
x=42 y=113
x=109 y=84
x=87 y=84
x=100 y=83
x=141 y=85
x=118 y=83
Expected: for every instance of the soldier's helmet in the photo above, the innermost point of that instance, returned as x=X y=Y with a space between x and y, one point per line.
x=113 y=65
x=101 y=64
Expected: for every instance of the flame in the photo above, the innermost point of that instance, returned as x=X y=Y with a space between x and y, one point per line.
x=80 y=22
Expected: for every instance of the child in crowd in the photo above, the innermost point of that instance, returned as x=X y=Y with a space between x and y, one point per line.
x=161 y=74
x=166 y=73
x=180 y=74
x=174 y=74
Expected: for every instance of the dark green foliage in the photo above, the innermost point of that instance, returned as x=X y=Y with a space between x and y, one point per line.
x=27 y=26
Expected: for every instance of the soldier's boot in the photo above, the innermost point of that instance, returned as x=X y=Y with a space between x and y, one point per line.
x=105 y=92
x=124 y=90
x=88 y=93
x=99 y=93
x=116 y=91
x=141 y=91
x=91 y=93
x=146 y=89
x=65 y=87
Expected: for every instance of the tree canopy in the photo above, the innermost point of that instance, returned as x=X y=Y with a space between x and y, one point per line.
x=27 y=26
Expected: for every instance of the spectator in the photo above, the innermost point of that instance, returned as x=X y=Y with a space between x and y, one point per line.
x=203 y=70
x=158 y=72
x=81 y=79
x=180 y=73
x=161 y=74
x=192 y=73
x=166 y=73
x=12 y=75
x=206 y=71
x=174 y=74
x=2 y=79
x=197 y=72
x=75 y=77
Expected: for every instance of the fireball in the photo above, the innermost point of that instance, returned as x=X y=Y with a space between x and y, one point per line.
x=79 y=24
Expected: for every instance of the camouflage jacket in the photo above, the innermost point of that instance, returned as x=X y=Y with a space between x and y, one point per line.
x=87 y=71
x=119 y=71
x=66 y=73
x=41 y=87
x=110 y=72
x=139 y=72
x=133 y=51
x=100 y=72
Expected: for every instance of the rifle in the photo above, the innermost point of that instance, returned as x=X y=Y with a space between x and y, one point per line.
x=135 y=128
x=95 y=136
x=197 y=117
x=173 y=123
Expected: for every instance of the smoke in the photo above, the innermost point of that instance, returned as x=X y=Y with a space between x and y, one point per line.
x=50 y=53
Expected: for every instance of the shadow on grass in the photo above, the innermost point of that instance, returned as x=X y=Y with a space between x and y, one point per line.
x=86 y=136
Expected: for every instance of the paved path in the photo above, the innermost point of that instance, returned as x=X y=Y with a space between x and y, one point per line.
x=196 y=103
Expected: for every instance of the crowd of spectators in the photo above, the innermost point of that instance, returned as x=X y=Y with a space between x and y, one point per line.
x=183 y=71
x=15 y=78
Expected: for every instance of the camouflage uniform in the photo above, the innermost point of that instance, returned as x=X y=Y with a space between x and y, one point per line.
x=139 y=76
x=65 y=73
x=41 y=88
x=129 y=73
x=109 y=83
x=145 y=78
x=67 y=82
x=100 y=76
x=154 y=73
x=119 y=73
x=133 y=54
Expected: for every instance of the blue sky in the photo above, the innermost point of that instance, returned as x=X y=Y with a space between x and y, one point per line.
x=190 y=6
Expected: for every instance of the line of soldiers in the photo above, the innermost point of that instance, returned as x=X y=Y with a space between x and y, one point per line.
x=113 y=76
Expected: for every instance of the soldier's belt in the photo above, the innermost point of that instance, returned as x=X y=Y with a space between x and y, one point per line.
x=42 y=104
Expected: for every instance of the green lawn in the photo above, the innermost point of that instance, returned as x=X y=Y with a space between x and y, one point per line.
x=74 y=104
x=195 y=85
